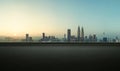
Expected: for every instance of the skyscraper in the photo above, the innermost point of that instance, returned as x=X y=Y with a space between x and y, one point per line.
x=27 y=37
x=82 y=34
x=43 y=35
x=78 y=33
x=68 y=34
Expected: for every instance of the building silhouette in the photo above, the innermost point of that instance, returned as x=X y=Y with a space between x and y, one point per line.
x=43 y=35
x=48 y=38
x=27 y=37
x=78 y=33
x=68 y=34
x=82 y=34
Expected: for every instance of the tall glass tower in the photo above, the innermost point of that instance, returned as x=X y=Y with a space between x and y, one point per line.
x=78 y=33
x=82 y=34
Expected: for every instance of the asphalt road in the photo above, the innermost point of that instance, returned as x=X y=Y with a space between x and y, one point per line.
x=60 y=58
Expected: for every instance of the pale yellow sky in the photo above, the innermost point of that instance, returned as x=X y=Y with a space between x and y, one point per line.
x=19 y=19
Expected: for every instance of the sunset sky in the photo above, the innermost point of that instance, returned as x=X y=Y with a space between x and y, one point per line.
x=54 y=17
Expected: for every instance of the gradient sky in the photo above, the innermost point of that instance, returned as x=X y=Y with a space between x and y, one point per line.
x=54 y=17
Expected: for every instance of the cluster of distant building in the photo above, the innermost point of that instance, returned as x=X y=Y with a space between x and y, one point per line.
x=28 y=38
x=72 y=38
x=80 y=36
x=43 y=39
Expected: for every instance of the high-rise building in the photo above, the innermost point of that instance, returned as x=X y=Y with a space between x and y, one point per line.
x=82 y=34
x=78 y=33
x=68 y=34
x=27 y=37
x=43 y=35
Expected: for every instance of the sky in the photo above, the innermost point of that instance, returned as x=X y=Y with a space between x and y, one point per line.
x=54 y=17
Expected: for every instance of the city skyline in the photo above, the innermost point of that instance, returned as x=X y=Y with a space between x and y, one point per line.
x=68 y=37
x=53 y=17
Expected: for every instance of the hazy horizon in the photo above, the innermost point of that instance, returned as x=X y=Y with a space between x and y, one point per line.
x=54 y=17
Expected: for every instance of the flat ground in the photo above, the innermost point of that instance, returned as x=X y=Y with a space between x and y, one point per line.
x=60 y=57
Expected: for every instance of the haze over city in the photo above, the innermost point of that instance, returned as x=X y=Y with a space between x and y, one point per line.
x=54 y=17
x=75 y=35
